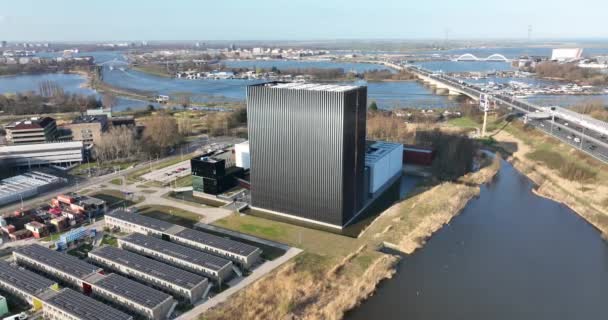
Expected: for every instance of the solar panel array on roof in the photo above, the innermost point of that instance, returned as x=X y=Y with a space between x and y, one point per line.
x=217 y=242
x=151 y=267
x=57 y=260
x=22 y=279
x=141 y=220
x=177 y=251
x=83 y=307
x=132 y=290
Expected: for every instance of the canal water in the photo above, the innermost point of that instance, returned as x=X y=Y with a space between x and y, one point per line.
x=388 y=95
x=508 y=255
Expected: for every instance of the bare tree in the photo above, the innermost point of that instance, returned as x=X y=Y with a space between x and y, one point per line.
x=161 y=133
x=108 y=100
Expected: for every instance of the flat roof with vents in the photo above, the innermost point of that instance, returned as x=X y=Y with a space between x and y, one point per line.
x=151 y=267
x=57 y=260
x=214 y=241
x=23 y=279
x=177 y=251
x=83 y=307
x=133 y=291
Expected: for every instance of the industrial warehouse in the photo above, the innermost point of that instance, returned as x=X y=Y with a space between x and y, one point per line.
x=180 y=282
x=243 y=254
x=215 y=268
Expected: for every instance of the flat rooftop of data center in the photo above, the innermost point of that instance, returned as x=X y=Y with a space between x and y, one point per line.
x=309 y=86
x=83 y=307
x=177 y=251
x=132 y=290
x=151 y=267
x=23 y=279
x=57 y=260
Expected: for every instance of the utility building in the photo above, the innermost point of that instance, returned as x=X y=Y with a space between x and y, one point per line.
x=177 y=281
x=307 y=150
x=216 y=268
x=59 y=265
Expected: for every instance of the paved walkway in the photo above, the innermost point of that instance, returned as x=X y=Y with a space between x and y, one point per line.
x=224 y=295
x=154 y=196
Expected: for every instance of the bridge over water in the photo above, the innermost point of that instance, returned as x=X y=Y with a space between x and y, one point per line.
x=497 y=57
x=564 y=123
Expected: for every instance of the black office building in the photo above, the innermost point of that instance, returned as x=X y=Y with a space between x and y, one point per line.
x=213 y=174
x=307 y=149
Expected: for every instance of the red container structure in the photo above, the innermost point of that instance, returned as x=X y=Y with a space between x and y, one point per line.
x=422 y=156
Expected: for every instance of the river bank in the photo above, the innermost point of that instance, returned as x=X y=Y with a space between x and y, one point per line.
x=326 y=281
x=589 y=198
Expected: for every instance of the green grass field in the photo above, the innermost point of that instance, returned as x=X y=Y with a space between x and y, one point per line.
x=170 y=214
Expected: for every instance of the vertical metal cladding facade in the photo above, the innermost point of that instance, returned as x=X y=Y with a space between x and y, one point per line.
x=307 y=151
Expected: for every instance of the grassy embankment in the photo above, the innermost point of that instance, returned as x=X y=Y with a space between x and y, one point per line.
x=170 y=214
x=153 y=69
x=335 y=273
x=562 y=172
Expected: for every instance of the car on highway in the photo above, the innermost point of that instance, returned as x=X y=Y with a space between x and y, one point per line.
x=592 y=147
x=577 y=139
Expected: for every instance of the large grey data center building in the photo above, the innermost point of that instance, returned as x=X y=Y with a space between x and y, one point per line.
x=307 y=145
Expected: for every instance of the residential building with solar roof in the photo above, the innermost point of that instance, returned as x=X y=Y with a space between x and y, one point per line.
x=134 y=296
x=64 y=267
x=177 y=281
x=243 y=254
x=213 y=267
x=24 y=284
x=68 y=304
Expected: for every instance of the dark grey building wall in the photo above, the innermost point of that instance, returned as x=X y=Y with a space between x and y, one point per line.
x=307 y=151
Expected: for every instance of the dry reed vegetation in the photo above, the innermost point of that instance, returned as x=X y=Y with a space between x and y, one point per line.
x=326 y=283
x=580 y=182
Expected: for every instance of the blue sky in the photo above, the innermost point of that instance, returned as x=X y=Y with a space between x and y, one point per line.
x=96 y=20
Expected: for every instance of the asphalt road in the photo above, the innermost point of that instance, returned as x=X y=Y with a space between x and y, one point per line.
x=78 y=183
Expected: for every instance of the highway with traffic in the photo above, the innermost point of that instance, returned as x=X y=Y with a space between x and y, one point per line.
x=581 y=131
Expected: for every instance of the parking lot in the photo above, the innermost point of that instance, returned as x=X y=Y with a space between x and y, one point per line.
x=170 y=173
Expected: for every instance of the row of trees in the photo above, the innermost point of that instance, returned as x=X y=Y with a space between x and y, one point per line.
x=571 y=72
x=45 y=66
x=160 y=135
x=380 y=75
x=119 y=143
x=594 y=108
x=454 y=151
x=54 y=101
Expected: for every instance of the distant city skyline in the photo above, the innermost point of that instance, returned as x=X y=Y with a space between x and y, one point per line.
x=72 y=20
